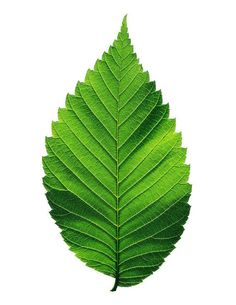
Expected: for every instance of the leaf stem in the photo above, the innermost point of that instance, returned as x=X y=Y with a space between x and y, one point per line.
x=115 y=284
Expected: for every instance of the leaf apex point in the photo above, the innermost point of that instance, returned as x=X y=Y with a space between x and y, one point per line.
x=124 y=27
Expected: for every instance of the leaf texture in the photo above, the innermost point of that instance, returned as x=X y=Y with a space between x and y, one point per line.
x=115 y=172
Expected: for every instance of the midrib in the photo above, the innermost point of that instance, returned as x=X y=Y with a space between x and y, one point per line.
x=117 y=188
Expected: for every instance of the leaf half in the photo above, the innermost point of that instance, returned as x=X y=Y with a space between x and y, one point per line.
x=116 y=177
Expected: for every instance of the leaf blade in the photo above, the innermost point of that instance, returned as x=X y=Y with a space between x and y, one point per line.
x=116 y=177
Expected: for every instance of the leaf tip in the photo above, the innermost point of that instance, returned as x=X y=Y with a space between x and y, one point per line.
x=124 y=21
x=124 y=27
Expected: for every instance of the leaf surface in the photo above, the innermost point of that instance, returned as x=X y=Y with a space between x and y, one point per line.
x=115 y=171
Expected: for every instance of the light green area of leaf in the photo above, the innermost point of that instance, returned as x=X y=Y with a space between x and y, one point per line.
x=115 y=174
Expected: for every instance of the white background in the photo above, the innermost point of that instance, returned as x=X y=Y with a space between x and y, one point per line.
x=189 y=48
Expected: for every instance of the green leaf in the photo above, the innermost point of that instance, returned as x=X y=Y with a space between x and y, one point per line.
x=115 y=174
